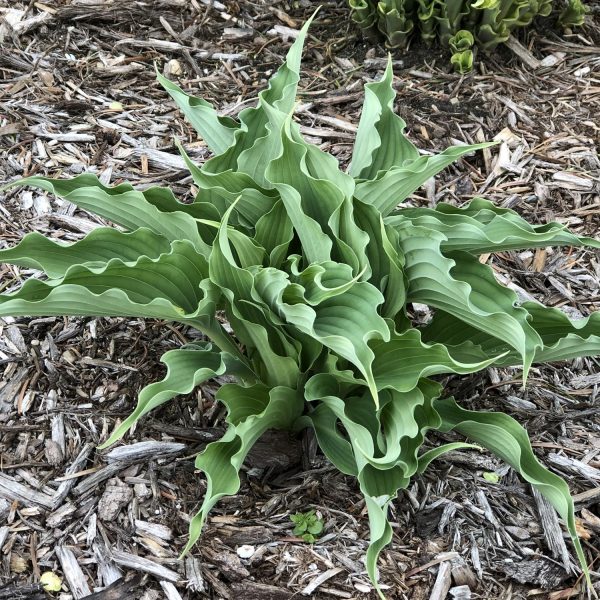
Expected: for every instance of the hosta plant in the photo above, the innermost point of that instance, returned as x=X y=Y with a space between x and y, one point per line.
x=302 y=278
x=490 y=22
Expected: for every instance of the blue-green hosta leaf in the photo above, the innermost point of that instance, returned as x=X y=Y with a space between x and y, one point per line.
x=164 y=287
x=318 y=208
x=398 y=183
x=362 y=439
x=187 y=368
x=450 y=16
x=363 y=13
x=121 y=205
x=322 y=165
x=96 y=249
x=172 y=287
x=325 y=193
x=562 y=338
x=274 y=232
x=404 y=359
x=316 y=245
x=409 y=428
x=481 y=227
x=467 y=290
x=397 y=430
x=280 y=97
x=345 y=323
x=320 y=281
x=332 y=442
x=351 y=241
x=314 y=193
x=384 y=258
x=320 y=198
x=379 y=488
x=218 y=132
x=163 y=199
x=380 y=141
x=503 y=436
x=251 y=411
x=256 y=325
x=380 y=480
x=384 y=461
x=272 y=290
x=395 y=20
x=428 y=457
x=223 y=189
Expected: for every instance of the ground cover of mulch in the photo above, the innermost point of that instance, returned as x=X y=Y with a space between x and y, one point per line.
x=77 y=93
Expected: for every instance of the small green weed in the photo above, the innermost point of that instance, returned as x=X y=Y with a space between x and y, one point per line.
x=308 y=525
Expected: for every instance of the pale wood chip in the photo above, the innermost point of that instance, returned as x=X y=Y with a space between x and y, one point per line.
x=319 y=580
x=443 y=581
x=13 y=490
x=142 y=451
x=137 y=563
x=116 y=496
x=551 y=529
x=76 y=580
x=170 y=590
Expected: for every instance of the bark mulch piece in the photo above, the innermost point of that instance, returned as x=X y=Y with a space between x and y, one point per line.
x=78 y=93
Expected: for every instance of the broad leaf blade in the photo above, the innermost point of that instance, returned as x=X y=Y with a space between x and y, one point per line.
x=481 y=227
x=121 y=205
x=186 y=369
x=96 y=249
x=404 y=359
x=218 y=132
x=397 y=184
x=165 y=287
x=380 y=141
x=467 y=290
x=503 y=436
x=252 y=411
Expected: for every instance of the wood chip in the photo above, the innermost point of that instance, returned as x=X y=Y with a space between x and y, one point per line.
x=552 y=530
x=572 y=181
x=13 y=490
x=462 y=592
x=259 y=591
x=230 y=565
x=193 y=574
x=319 y=580
x=170 y=590
x=443 y=581
x=574 y=466
x=137 y=563
x=116 y=495
x=76 y=580
x=142 y=451
x=522 y=52
x=156 y=530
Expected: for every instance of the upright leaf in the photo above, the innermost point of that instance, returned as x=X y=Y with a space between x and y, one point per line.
x=380 y=141
x=218 y=132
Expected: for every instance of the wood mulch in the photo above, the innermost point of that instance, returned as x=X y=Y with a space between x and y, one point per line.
x=78 y=93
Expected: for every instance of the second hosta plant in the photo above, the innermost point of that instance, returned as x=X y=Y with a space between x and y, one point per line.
x=484 y=22
x=315 y=270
